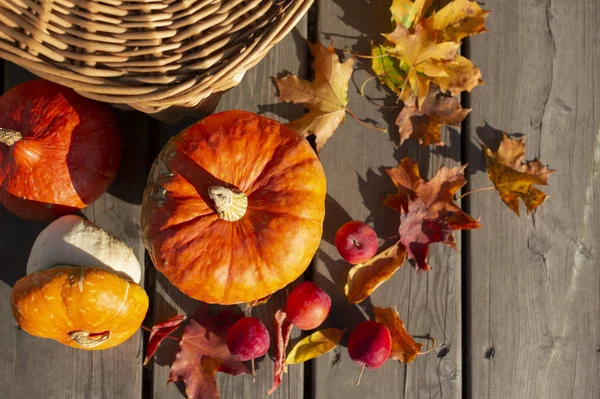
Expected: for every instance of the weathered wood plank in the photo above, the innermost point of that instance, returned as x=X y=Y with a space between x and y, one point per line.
x=256 y=93
x=535 y=282
x=354 y=158
x=38 y=368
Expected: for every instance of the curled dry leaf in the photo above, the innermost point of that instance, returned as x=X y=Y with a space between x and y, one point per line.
x=364 y=278
x=260 y=301
x=326 y=97
x=404 y=347
x=425 y=124
x=428 y=212
x=315 y=345
x=160 y=332
x=283 y=332
x=514 y=179
x=203 y=351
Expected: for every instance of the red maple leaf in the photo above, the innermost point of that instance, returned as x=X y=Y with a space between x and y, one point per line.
x=428 y=213
x=159 y=332
x=203 y=351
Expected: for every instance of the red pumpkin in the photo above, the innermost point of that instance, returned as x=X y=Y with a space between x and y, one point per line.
x=59 y=151
x=234 y=208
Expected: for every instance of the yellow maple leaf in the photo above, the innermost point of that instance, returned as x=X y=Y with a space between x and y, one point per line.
x=457 y=20
x=514 y=179
x=407 y=12
x=423 y=57
x=424 y=50
x=326 y=97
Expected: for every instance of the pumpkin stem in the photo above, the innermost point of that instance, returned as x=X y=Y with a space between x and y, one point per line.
x=9 y=137
x=231 y=203
x=89 y=340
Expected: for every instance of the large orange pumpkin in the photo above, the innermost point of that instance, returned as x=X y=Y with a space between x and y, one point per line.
x=59 y=151
x=234 y=208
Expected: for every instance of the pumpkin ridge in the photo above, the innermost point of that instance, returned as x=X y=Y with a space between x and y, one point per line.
x=210 y=212
x=125 y=297
x=229 y=272
x=285 y=214
x=49 y=305
x=257 y=183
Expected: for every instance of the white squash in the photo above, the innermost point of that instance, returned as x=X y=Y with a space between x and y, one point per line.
x=71 y=240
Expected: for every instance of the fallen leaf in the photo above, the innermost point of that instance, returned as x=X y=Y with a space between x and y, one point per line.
x=283 y=332
x=425 y=59
x=388 y=69
x=404 y=347
x=425 y=124
x=364 y=278
x=326 y=97
x=457 y=20
x=421 y=51
x=408 y=12
x=160 y=332
x=315 y=345
x=462 y=76
x=514 y=179
x=428 y=213
x=203 y=351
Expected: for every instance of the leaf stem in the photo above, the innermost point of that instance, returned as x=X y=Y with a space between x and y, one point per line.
x=160 y=334
x=362 y=88
x=430 y=349
x=365 y=123
x=475 y=191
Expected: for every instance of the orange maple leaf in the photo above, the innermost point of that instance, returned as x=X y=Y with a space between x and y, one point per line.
x=514 y=179
x=404 y=347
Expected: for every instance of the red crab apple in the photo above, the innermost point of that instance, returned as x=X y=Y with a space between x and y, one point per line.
x=356 y=242
x=307 y=306
x=369 y=345
x=248 y=339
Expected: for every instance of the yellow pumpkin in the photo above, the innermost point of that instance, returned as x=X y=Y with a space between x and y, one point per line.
x=92 y=306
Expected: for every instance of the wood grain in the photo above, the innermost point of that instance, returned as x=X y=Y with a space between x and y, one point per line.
x=256 y=93
x=429 y=303
x=535 y=282
x=39 y=368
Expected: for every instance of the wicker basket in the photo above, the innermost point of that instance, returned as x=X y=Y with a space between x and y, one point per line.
x=156 y=56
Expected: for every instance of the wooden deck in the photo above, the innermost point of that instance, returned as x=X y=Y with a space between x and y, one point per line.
x=516 y=313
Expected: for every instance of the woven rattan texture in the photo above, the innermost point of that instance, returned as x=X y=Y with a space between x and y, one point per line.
x=147 y=54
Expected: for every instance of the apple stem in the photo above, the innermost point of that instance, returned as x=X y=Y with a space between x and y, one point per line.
x=253 y=371
x=360 y=375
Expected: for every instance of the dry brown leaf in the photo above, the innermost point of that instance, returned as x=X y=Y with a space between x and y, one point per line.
x=514 y=179
x=364 y=278
x=326 y=97
x=404 y=347
x=425 y=124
